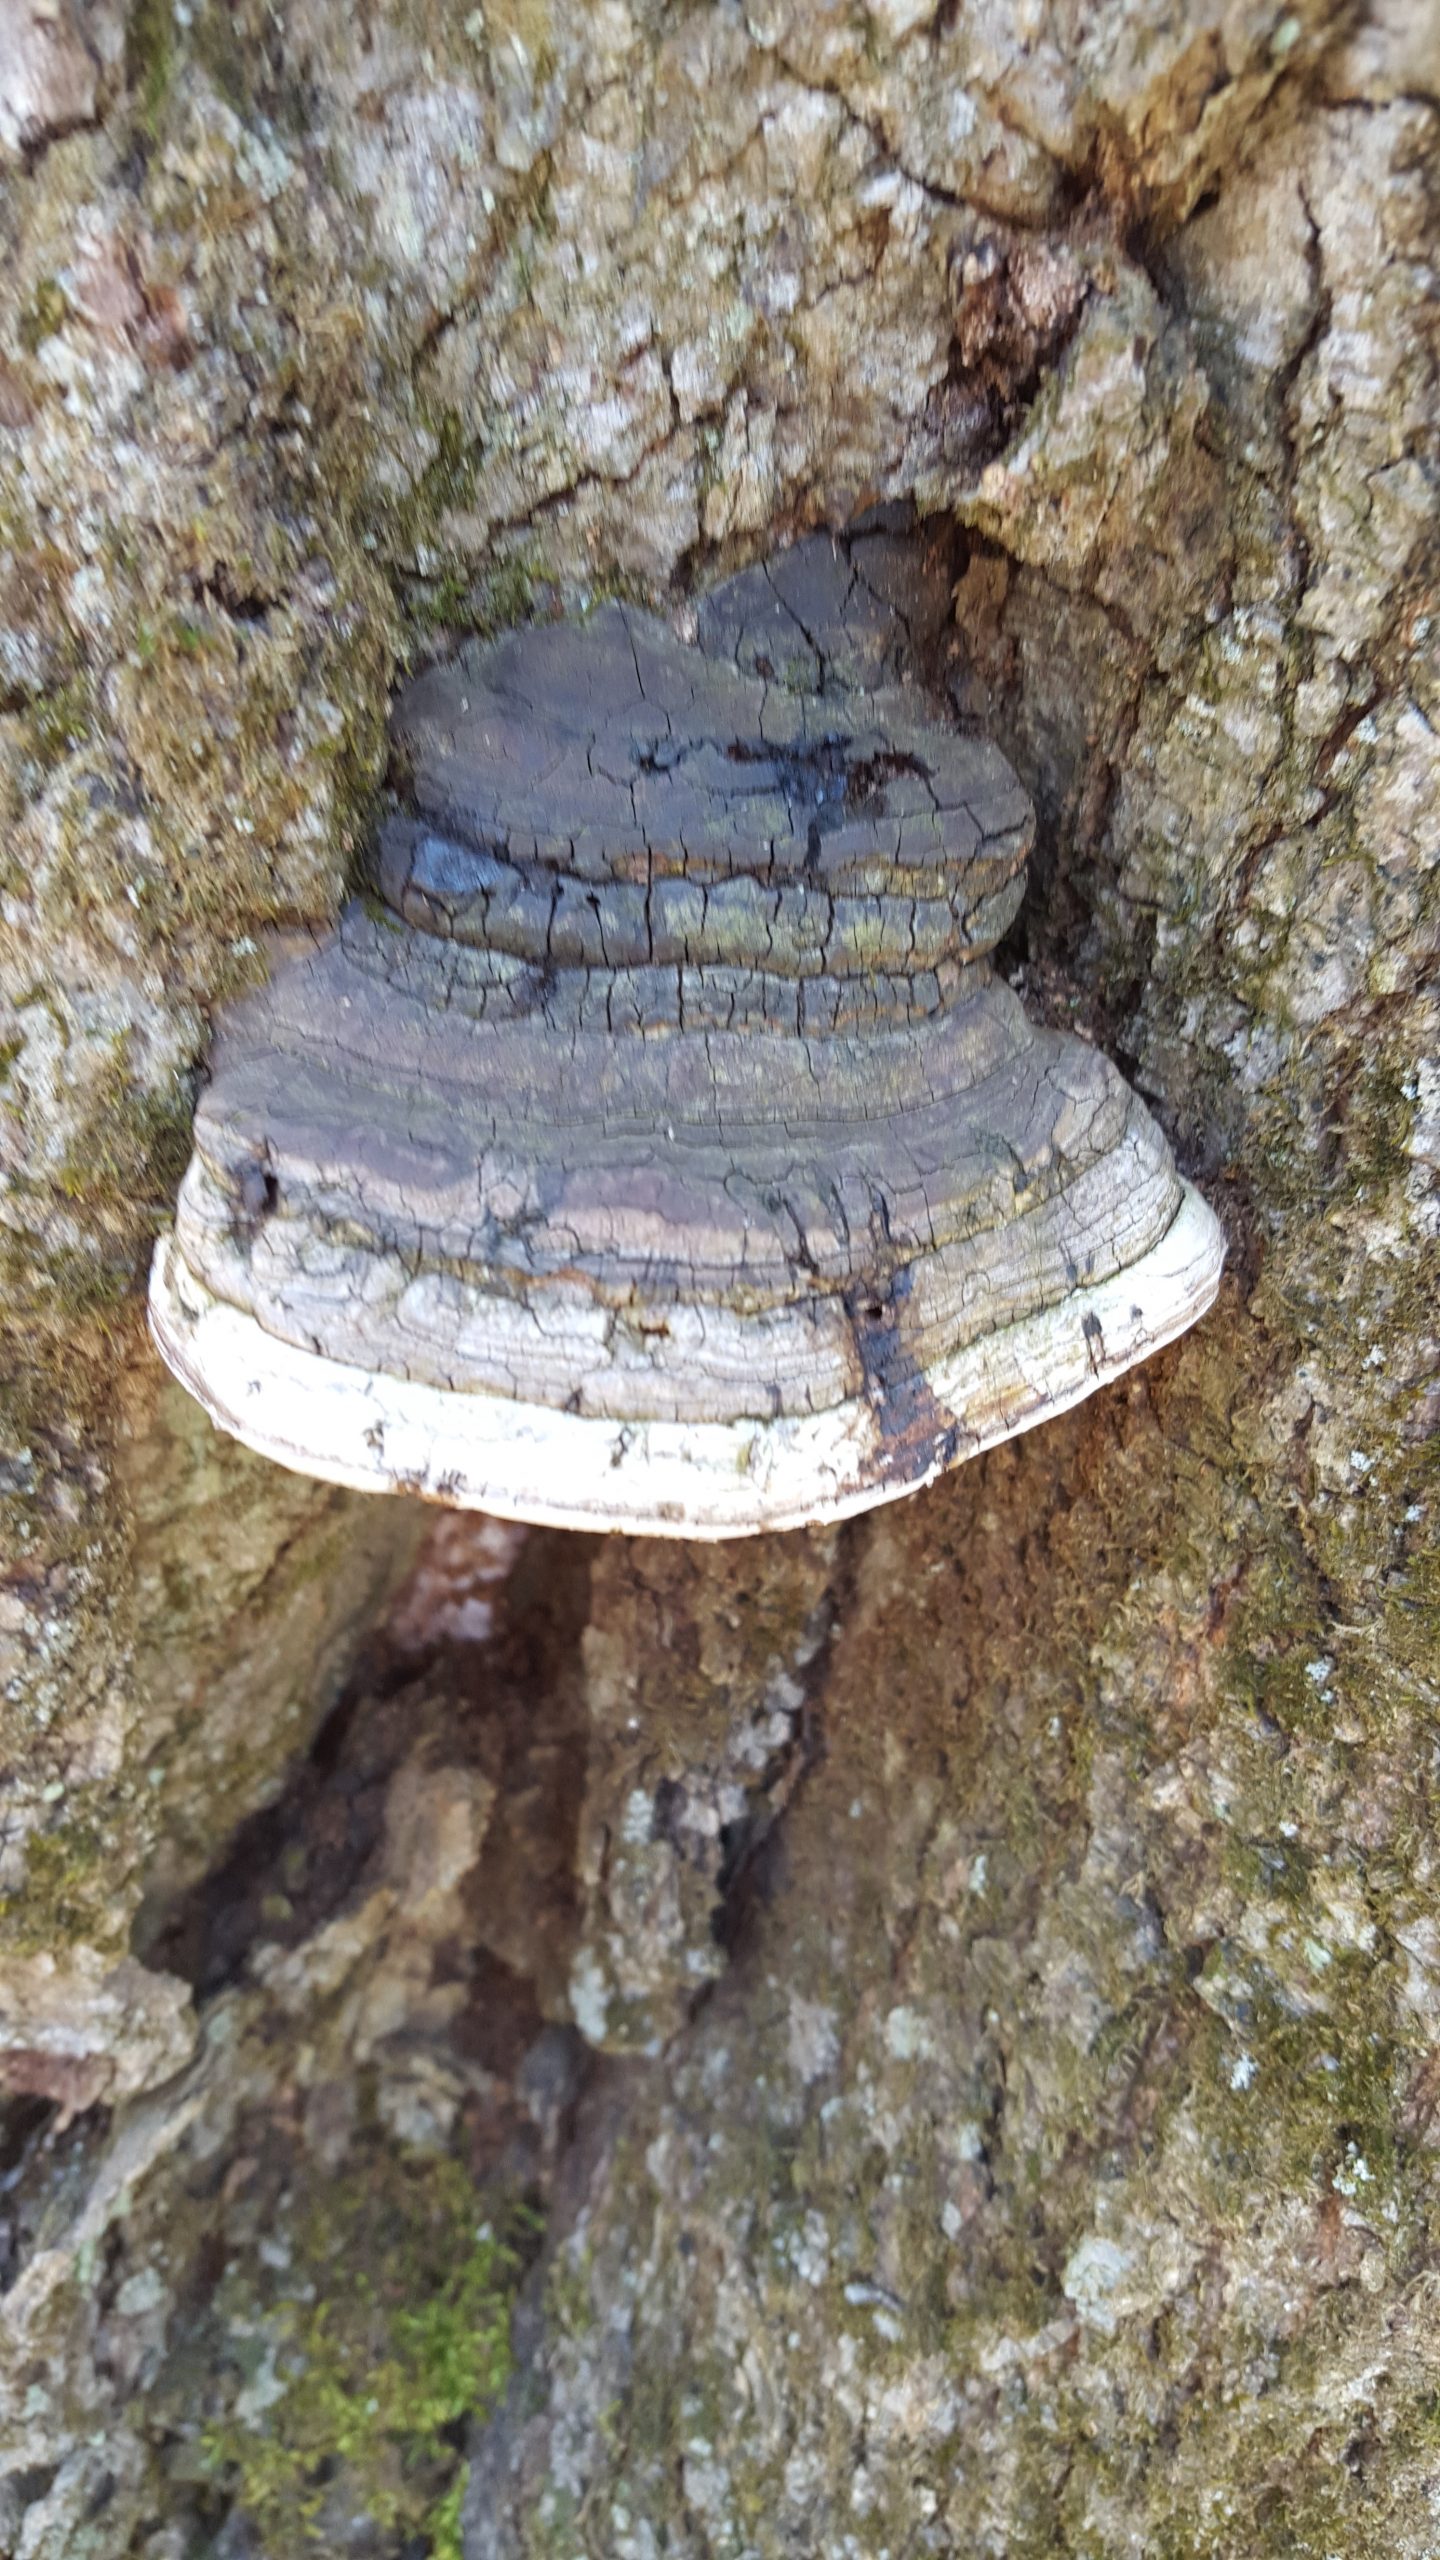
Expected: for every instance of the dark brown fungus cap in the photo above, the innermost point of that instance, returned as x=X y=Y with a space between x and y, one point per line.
x=666 y=1155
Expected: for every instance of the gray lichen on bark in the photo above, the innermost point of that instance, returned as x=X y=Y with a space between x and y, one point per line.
x=1051 y=2164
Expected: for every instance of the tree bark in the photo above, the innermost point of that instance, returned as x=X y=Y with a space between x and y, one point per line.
x=920 y=2039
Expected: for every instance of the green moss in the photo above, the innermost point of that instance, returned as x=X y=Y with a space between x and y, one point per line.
x=378 y=913
x=46 y=311
x=135 y=1146
x=62 y=1283
x=447 y=481
x=1263 y=1870
x=389 y=2335
x=442 y=602
x=61 y=720
x=506 y=594
x=55 y=1905
x=569 y=2306
x=220 y=46
x=1321 y=2096
x=458 y=598
x=150 y=57
x=1376 y=1113
x=443 y=2521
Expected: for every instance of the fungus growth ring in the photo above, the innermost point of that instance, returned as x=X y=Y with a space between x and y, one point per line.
x=661 y=1152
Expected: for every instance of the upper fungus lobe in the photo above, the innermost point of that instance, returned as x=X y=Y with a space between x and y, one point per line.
x=672 y=1158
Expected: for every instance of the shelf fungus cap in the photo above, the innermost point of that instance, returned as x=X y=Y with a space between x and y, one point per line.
x=661 y=1151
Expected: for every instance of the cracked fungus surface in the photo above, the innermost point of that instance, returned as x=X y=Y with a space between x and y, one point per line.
x=664 y=1153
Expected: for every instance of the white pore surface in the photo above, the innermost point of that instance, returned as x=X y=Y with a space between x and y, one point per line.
x=491 y=1453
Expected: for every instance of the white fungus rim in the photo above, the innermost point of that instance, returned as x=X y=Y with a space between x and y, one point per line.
x=474 y=1451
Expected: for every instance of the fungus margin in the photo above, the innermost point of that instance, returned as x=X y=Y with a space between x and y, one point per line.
x=381 y=1434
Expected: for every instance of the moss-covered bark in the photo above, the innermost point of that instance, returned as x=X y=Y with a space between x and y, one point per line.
x=1035 y=1910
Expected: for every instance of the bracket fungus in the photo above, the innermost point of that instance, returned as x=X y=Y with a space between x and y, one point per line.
x=661 y=1150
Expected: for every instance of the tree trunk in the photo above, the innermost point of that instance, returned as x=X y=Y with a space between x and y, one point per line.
x=920 y=2039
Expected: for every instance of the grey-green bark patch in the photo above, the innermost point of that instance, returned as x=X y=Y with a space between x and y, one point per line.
x=150 y=44
x=356 y=2347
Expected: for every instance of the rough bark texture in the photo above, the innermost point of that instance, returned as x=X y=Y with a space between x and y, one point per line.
x=959 y=1999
